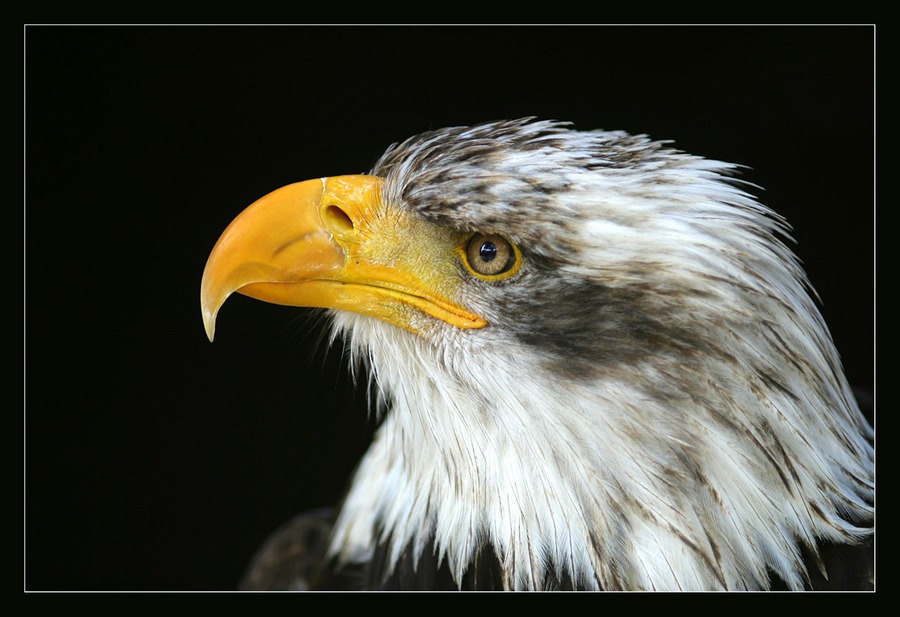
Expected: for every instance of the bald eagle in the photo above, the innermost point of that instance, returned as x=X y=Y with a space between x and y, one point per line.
x=595 y=361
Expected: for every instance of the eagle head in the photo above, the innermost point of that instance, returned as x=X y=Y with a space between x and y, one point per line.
x=596 y=363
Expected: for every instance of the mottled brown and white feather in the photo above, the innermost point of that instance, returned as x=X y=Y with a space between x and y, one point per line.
x=657 y=403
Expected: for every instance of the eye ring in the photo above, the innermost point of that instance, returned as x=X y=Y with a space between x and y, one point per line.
x=491 y=256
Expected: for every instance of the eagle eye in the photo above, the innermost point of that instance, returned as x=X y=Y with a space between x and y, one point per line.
x=491 y=256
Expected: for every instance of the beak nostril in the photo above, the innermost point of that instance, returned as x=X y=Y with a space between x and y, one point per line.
x=338 y=220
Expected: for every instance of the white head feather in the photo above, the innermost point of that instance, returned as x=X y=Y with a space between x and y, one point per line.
x=697 y=434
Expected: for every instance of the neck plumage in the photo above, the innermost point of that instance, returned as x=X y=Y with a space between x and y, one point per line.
x=606 y=483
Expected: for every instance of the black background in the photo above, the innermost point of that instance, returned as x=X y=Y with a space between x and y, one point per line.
x=155 y=460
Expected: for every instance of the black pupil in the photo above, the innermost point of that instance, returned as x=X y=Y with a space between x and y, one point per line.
x=488 y=251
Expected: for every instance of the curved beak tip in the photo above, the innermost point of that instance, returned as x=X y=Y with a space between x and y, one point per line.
x=208 y=314
x=209 y=324
x=209 y=309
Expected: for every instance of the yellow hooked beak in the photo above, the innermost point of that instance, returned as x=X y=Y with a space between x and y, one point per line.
x=332 y=243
